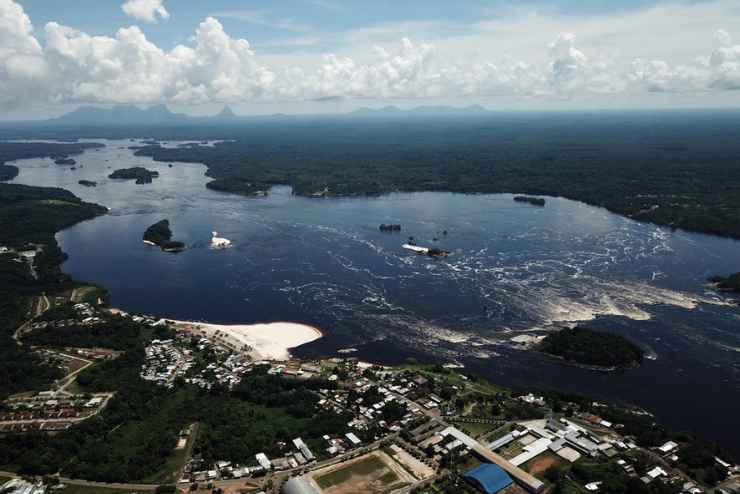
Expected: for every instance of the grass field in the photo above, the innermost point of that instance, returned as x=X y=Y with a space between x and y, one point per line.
x=371 y=474
x=498 y=433
x=475 y=429
x=366 y=467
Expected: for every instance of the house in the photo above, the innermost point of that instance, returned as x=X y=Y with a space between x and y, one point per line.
x=263 y=460
x=668 y=447
x=353 y=438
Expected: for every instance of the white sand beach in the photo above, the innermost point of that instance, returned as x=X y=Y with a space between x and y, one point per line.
x=268 y=341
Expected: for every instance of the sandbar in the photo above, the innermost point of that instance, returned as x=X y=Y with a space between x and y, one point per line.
x=268 y=341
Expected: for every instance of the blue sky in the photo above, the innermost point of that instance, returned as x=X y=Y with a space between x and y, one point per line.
x=332 y=55
x=265 y=22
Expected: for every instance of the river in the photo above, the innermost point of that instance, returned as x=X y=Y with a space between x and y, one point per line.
x=514 y=269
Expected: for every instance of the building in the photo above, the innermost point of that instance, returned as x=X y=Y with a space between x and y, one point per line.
x=489 y=478
x=353 y=438
x=263 y=460
x=19 y=486
x=305 y=452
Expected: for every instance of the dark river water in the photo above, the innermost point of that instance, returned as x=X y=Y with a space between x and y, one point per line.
x=515 y=270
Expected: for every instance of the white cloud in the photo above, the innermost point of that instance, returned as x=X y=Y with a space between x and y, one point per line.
x=720 y=71
x=145 y=10
x=22 y=66
x=129 y=68
x=74 y=67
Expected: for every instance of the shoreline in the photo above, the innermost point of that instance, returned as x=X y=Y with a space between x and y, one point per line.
x=265 y=341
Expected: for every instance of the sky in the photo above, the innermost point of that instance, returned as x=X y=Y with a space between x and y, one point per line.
x=319 y=56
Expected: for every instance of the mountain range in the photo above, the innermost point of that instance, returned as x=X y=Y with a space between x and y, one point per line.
x=159 y=115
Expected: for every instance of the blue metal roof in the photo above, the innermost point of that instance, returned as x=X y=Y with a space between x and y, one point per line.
x=489 y=478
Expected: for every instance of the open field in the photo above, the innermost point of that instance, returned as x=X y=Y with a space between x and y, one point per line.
x=475 y=429
x=538 y=465
x=374 y=473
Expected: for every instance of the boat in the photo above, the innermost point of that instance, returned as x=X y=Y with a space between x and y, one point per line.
x=219 y=242
x=416 y=248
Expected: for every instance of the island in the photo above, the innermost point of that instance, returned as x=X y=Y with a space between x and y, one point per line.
x=729 y=284
x=65 y=161
x=138 y=173
x=389 y=228
x=8 y=172
x=591 y=348
x=534 y=201
x=88 y=183
x=242 y=187
x=435 y=252
x=159 y=234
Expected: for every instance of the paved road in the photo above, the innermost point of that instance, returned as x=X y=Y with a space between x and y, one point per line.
x=87 y=483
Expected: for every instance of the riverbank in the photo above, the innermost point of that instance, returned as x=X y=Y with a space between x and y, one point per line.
x=266 y=341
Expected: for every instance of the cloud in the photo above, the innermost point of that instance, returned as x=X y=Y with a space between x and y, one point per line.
x=145 y=10
x=129 y=68
x=720 y=71
x=71 y=66
x=22 y=65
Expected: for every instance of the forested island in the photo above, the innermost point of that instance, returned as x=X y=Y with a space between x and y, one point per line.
x=138 y=173
x=585 y=346
x=389 y=228
x=88 y=183
x=160 y=234
x=241 y=187
x=534 y=201
x=730 y=284
x=65 y=161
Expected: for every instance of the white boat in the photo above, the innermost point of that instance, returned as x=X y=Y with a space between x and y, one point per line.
x=219 y=242
x=416 y=248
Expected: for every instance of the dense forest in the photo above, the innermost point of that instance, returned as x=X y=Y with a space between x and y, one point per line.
x=588 y=347
x=656 y=169
x=34 y=214
x=31 y=214
x=116 y=333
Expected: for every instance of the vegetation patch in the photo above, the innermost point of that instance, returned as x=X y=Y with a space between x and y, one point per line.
x=730 y=284
x=594 y=348
x=160 y=234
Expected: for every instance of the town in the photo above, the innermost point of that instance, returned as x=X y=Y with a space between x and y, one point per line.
x=413 y=428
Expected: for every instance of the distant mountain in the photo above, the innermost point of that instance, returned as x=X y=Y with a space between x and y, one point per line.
x=121 y=115
x=226 y=114
x=450 y=110
x=392 y=111
x=386 y=110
